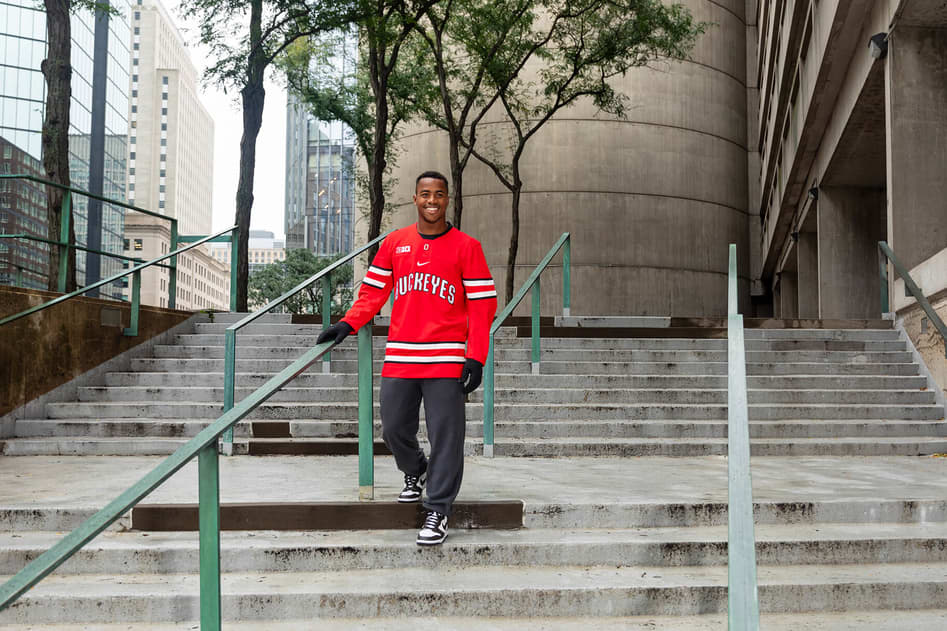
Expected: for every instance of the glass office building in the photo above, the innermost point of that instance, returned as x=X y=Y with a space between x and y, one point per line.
x=98 y=133
x=320 y=167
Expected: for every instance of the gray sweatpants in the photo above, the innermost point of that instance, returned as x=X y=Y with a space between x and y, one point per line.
x=446 y=426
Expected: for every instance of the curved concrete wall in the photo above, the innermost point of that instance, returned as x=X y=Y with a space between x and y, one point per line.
x=652 y=201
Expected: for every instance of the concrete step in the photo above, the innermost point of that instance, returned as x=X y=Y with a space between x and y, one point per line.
x=167 y=365
x=558 y=591
x=576 y=355
x=97 y=446
x=67 y=429
x=136 y=552
x=690 y=447
x=798 y=429
x=821 y=334
x=307 y=337
x=856 y=620
x=519 y=395
x=504 y=411
x=522 y=381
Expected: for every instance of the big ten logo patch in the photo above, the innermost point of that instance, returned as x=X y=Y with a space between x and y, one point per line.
x=403 y=249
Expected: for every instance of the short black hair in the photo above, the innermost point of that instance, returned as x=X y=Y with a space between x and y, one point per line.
x=436 y=175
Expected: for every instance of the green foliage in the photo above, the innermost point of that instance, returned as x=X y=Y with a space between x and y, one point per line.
x=275 y=279
x=233 y=44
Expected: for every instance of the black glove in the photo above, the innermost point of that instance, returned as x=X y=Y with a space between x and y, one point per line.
x=337 y=332
x=472 y=375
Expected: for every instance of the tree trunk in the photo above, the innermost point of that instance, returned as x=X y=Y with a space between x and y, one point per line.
x=57 y=70
x=514 y=239
x=376 y=172
x=457 y=180
x=253 y=96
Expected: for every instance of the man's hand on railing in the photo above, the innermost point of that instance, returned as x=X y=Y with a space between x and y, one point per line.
x=472 y=375
x=337 y=332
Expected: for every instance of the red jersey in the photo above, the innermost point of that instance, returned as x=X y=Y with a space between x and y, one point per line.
x=445 y=301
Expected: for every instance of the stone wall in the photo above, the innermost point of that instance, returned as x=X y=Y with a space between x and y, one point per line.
x=47 y=349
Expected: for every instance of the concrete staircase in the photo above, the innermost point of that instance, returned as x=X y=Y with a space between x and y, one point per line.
x=812 y=392
x=851 y=534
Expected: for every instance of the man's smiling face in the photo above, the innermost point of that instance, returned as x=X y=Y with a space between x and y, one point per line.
x=430 y=196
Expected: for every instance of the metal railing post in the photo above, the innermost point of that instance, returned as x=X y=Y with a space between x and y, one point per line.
x=535 y=327
x=208 y=467
x=64 y=219
x=326 y=315
x=488 y=397
x=173 y=281
x=234 y=244
x=230 y=364
x=883 y=271
x=132 y=329
x=366 y=439
x=743 y=609
x=567 y=277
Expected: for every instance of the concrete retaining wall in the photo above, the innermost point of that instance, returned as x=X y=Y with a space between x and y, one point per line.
x=47 y=349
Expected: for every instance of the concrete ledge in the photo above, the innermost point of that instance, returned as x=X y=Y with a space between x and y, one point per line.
x=648 y=322
x=503 y=514
x=309 y=447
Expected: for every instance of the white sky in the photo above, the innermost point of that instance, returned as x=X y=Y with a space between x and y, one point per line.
x=268 y=187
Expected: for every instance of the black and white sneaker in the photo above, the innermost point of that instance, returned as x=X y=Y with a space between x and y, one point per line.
x=434 y=530
x=413 y=485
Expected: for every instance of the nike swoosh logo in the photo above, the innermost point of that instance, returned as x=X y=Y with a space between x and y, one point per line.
x=420 y=263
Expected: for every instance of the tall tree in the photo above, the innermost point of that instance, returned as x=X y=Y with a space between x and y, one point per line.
x=57 y=70
x=241 y=60
x=462 y=97
x=577 y=47
x=376 y=96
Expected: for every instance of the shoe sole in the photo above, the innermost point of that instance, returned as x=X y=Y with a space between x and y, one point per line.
x=431 y=543
x=409 y=500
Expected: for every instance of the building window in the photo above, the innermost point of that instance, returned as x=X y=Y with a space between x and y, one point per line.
x=138 y=244
x=164 y=80
x=164 y=111
x=137 y=30
x=125 y=245
x=164 y=142
x=131 y=156
x=134 y=109
x=164 y=127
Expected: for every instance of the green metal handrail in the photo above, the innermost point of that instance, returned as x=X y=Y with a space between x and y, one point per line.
x=66 y=219
x=365 y=460
x=742 y=595
x=885 y=252
x=132 y=330
x=204 y=446
x=532 y=283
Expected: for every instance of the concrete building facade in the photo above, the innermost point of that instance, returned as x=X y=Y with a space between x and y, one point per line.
x=853 y=145
x=170 y=165
x=203 y=282
x=172 y=134
x=652 y=201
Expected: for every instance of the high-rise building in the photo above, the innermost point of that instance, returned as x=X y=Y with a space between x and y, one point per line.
x=170 y=162
x=98 y=117
x=320 y=180
x=320 y=183
x=172 y=134
x=22 y=211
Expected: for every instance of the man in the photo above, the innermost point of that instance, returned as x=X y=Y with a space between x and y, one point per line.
x=445 y=300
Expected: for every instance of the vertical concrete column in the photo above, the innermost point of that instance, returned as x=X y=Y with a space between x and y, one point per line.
x=916 y=94
x=788 y=295
x=850 y=224
x=807 y=274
